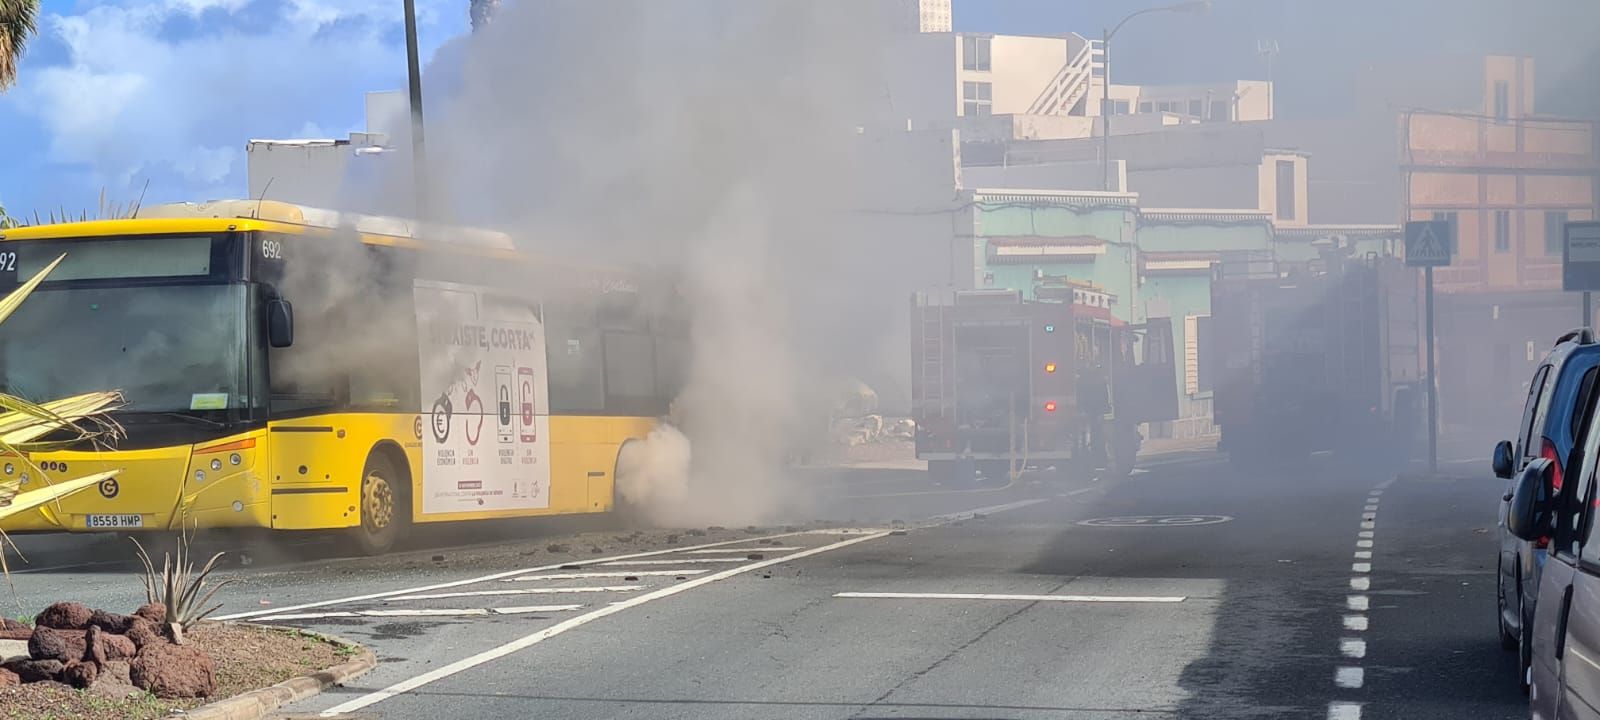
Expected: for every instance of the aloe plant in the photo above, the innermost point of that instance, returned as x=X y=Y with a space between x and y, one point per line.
x=178 y=586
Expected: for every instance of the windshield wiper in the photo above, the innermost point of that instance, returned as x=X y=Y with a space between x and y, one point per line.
x=194 y=419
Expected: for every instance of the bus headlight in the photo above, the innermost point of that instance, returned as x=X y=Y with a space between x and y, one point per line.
x=10 y=468
x=24 y=478
x=216 y=464
x=199 y=476
x=234 y=458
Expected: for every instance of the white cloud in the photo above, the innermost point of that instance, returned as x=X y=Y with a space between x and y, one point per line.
x=133 y=99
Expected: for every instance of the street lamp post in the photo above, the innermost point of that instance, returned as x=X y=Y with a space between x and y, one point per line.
x=1200 y=6
x=419 y=154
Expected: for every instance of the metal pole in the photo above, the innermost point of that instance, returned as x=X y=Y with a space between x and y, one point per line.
x=419 y=155
x=1105 y=110
x=1433 y=391
x=1588 y=311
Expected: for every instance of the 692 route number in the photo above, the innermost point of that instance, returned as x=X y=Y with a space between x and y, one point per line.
x=272 y=249
x=8 y=262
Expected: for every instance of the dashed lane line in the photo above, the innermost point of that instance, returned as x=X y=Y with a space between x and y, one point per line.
x=1352 y=677
x=574 y=622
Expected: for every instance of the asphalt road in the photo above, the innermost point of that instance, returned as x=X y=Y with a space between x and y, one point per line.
x=1228 y=595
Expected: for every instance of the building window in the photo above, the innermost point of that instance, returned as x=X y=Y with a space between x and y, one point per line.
x=1555 y=223
x=1119 y=107
x=1168 y=107
x=975 y=52
x=1195 y=108
x=1197 y=370
x=977 y=99
x=1219 y=111
x=1286 y=191
x=1502 y=231
x=1449 y=217
x=1098 y=71
x=1502 y=100
x=1145 y=107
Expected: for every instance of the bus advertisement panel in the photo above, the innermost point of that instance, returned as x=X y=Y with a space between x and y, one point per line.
x=487 y=440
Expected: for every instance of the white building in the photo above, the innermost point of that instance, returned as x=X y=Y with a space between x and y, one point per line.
x=312 y=171
x=937 y=75
x=929 y=16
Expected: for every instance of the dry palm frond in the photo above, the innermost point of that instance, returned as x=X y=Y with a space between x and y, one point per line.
x=19 y=19
x=24 y=425
x=13 y=300
x=178 y=586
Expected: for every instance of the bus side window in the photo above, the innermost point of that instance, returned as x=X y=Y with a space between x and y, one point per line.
x=630 y=367
x=573 y=353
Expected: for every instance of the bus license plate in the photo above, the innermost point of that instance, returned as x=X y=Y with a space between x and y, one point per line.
x=115 y=521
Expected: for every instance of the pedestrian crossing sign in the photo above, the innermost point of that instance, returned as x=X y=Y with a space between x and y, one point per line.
x=1428 y=243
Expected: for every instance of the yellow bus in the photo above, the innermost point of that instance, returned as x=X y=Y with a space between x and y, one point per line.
x=291 y=368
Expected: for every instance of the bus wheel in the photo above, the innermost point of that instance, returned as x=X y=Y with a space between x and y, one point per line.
x=383 y=509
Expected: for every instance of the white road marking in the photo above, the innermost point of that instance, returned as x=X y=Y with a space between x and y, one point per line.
x=1028 y=598
x=520 y=591
x=1364 y=534
x=311 y=616
x=1344 y=711
x=1349 y=677
x=605 y=574
x=1363 y=543
x=1355 y=622
x=761 y=549
x=462 y=612
x=1361 y=567
x=483 y=578
x=1356 y=602
x=574 y=622
x=1372 y=508
x=1138 y=471
x=967 y=514
x=520 y=609
x=673 y=562
x=1079 y=491
x=1353 y=648
x=1360 y=583
x=1379 y=491
x=1363 y=554
x=1368 y=524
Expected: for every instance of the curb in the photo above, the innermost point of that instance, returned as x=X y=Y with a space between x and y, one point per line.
x=256 y=704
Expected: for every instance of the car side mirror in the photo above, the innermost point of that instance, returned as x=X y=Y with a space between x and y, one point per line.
x=1503 y=461
x=280 y=323
x=1528 y=518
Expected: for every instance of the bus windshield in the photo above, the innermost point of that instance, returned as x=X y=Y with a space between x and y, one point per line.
x=171 y=348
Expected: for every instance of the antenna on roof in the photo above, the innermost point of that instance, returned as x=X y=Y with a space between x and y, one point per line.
x=256 y=214
x=137 y=204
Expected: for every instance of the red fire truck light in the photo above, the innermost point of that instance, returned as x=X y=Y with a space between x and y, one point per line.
x=1050 y=406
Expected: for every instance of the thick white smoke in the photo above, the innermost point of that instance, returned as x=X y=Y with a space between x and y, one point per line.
x=713 y=140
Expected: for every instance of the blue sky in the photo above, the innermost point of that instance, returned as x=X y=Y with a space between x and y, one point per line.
x=117 y=93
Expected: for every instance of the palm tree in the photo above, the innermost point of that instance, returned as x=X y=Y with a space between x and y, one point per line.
x=18 y=21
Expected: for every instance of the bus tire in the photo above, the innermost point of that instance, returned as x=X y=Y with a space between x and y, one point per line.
x=384 y=506
x=629 y=459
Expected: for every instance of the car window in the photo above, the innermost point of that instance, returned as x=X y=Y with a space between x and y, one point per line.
x=1581 y=409
x=1574 y=505
x=1525 y=445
